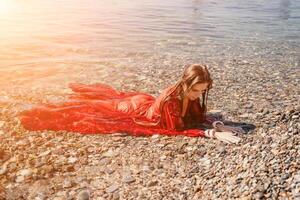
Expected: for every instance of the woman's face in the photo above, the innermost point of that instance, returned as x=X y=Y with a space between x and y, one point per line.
x=197 y=90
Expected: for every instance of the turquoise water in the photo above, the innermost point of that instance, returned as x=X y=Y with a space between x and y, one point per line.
x=52 y=38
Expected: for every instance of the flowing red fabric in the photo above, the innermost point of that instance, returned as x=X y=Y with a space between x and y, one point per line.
x=100 y=109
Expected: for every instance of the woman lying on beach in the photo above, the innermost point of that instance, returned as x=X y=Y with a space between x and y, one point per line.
x=100 y=109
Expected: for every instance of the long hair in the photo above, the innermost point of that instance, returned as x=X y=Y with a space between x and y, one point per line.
x=192 y=74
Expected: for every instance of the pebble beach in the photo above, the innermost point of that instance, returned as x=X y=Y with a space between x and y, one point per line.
x=256 y=81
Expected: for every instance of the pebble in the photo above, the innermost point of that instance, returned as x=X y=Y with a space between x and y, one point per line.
x=20 y=179
x=44 y=153
x=152 y=183
x=2 y=123
x=116 y=196
x=258 y=195
x=72 y=160
x=67 y=184
x=128 y=179
x=25 y=172
x=263 y=165
x=83 y=195
x=245 y=115
x=110 y=153
x=221 y=149
x=112 y=188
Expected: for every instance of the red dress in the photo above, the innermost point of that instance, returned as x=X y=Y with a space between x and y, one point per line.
x=100 y=109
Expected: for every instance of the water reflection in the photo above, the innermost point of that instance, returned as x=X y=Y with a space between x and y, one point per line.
x=284 y=9
x=81 y=31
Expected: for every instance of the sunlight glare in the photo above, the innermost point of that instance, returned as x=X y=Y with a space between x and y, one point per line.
x=6 y=7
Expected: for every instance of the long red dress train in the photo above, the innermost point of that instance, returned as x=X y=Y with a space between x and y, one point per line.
x=98 y=108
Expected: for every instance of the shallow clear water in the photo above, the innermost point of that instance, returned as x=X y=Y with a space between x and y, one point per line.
x=53 y=38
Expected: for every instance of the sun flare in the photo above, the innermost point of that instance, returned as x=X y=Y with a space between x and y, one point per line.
x=6 y=7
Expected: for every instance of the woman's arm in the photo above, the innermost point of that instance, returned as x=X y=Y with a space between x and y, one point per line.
x=171 y=120
x=212 y=124
x=195 y=117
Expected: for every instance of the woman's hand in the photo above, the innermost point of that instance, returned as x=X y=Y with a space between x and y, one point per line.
x=234 y=130
x=226 y=136
x=219 y=126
